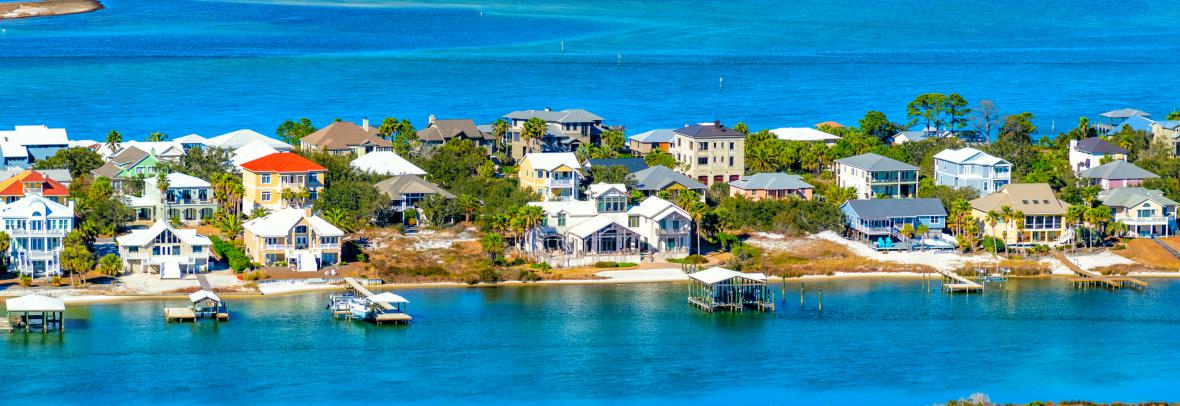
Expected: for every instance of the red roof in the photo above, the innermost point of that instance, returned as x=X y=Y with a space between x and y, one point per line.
x=14 y=186
x=282 y=162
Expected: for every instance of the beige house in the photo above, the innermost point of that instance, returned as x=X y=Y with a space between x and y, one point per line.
x=1044 y=214
x=770 y=186
x=169 y=252
x=296 y=237
x=343 y=138
x=710 y=153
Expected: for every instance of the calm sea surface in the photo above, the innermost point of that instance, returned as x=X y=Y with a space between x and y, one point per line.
x=884 y=342
x=209 y=67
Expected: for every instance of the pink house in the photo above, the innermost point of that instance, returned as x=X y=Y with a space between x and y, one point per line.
x=1117 y=174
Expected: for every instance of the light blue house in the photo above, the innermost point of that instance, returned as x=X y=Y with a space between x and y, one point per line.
x=879 y=222
x=28 y=143
x=970 y=167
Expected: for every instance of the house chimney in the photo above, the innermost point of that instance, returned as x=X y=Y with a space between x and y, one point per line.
x=716 y=123
x=431 y=119
x=307 y=210
x=365 y=123
x=1073 y=144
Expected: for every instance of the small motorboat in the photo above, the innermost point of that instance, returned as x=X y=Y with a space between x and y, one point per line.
x=359 y=308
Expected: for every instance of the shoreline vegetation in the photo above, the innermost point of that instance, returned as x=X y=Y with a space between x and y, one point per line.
x=47 y=8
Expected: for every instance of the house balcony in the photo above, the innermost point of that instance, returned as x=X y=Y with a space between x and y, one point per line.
x=561 y=183
x=1137 y=221
x=184 y=202
x=871 y=230
x=38 y=233
x=687 y=228
x=37 y=255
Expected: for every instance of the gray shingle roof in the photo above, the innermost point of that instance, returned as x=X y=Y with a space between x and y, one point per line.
x=1095 y=145
x=876 y=209
x=442 y=130
x=654 y=136
x=1132 y=196
x=1125 y=113
x=563 y=116
x=658 y=177
x=874 y=162
x=396 y=186
x=1118 y=170
x=708 y=130
x=770 y=181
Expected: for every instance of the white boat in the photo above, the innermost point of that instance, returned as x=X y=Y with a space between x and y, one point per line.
x=359 y=307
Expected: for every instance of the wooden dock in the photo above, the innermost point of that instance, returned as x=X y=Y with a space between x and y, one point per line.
x=5 y=325
x=388 y=313
x=957 y=283
x=179 y=314
x=1087 y=279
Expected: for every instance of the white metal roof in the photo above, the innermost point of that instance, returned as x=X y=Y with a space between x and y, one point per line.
x=655 y=208
x=280 y=222
x=968 y=155
x=249 y=152
x=12 y=149
x=552 y=160
x=590 y=226
x=574 y=208
x=141 y=237
x=601 y=188
x=239 y=138
x=36 y=205
x=388 y=297
x=35 y=303
x=177 y=180
x=35 y=135
x=191 y=139
x=202 y=295
x=718 y=274
x=806 y=134
x=386 y=163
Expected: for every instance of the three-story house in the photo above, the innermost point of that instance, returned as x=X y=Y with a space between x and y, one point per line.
x=37 y=226
x=970 y=167
x=294 y=237
x=710 y=153
x=265 y=179
x=876 y=176
x=554 y=175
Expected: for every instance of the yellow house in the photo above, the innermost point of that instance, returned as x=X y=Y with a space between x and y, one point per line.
x=554 y=175
x=302 y=240
x=1043 y=214
x=264 y=180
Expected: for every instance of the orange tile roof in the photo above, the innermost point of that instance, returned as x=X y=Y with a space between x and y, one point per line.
x=282 y=162
x=14 y=186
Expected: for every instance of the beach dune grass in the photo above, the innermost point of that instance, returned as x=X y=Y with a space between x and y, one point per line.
x=822 y=257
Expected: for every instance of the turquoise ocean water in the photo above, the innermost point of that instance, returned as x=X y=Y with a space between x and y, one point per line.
x=209 y=67
x=875 y=342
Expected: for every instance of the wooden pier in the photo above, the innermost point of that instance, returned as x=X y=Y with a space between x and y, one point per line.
x=723 y=289
x=1088 y=279
x=205 y=304
x=384 y=311
x=953 y=282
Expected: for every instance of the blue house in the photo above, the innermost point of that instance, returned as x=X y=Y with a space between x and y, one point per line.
x=28 y=143
x=879 y=222
x=970 y=167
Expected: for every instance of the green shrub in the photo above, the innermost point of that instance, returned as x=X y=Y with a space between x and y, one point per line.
x=606 y=264
x=544 y=266
x=691 y=259
x=489 y=275
x=528 y=276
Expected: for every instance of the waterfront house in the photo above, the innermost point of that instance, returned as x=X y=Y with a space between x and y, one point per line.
x=566 y=130
x=129 y=163
x=710 y=153
x=32 y=183
x=654 y=180
x=1145 y=212
x=1135 y=123
x=37 y=226
x=164 y=250
x=405 y=191
x=264 y=180
x=770 y=186
x=1114 y=118
x=295 y=237
x=187 y=199
x=1116 y=174
x=607 y=228
x=345 y=137
x=240 y=138
x=632 y=164
x=439 y=131
x=880 y=222
x=1043 y=215
x=553 y=175
x=923 y=134
x=386 y=163
x=25 y=144
x=805 y=134
x=875 y=176
x=970 y=167
x=1168 y=132
x=1091 y=152
x=654 y=140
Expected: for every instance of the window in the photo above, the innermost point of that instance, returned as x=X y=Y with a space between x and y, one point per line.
x=730 y=161
x=703 y=161
x=1146 y=212
x=704 y=146
x=265 y=196
x=266 y=178
x=731 y=146
x=675 y=224
x=632 y=221
x=561 y=220
x=197 y=249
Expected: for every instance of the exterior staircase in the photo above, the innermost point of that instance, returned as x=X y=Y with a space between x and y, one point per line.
x=1167 y=247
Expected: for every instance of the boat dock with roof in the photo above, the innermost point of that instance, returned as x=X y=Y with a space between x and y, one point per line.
x=362 y=304
x=718 y=288
x=205 y=304
x=34 y=312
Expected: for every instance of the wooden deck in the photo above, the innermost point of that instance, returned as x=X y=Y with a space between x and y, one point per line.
x=179 y=314
x=958 y=283
x=1094 y=279
x=389 y=316
x=5 y=325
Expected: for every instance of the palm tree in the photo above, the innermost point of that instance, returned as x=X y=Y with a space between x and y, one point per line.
x=1018 y=217
x=533 y=131
x=922 y=230
x=992 y=217
x=229 y=224
x=529 y=218
x=1007 y=215
x=1073 y=218
x=157 y=136
x=110 y=265
x=1097 y=216
x=339 y=218
x=162 y=185
x=113 y=140
x=499 y=130
x=760 y=158
x=469 y=204
x=491 y=243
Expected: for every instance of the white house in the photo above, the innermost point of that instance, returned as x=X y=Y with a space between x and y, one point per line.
x=804 y=134
x=386 y=163
x=187 y=198
x=37 y=226
x=1090 y=152
x=607 y=228
x=168 y=251
x=296 y=237
x=970 y=167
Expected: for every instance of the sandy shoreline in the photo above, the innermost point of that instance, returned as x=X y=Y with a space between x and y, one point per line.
x=47 y=8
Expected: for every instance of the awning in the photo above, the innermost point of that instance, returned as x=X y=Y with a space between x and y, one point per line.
x=202 y=295
x=388 y=297
x=35 y=303
x=170 y=270
x=307 y=263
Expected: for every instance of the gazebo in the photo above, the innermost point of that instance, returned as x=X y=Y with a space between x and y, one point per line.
x=719 y=288
x=34 y=309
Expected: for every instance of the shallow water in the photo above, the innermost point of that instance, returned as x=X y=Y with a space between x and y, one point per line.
x=209 y=67
x=885 y=341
